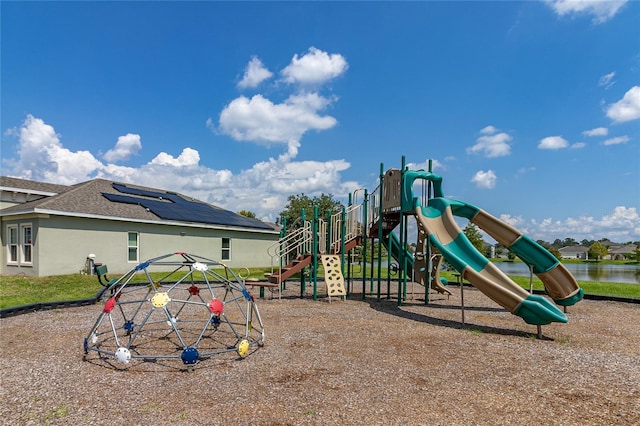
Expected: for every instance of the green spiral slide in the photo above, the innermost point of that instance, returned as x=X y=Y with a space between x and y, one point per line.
x=436 y=221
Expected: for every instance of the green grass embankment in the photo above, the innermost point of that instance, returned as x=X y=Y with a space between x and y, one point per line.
x=21 y=290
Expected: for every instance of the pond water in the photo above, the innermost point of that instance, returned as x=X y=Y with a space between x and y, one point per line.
x=583 y=271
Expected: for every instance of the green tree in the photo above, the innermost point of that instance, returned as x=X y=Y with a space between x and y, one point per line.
x=295 y=203
x=586 y=242
x=247 y=213
x=474 y=236
x=544 y=244
x=597 y=251
x=555 y=252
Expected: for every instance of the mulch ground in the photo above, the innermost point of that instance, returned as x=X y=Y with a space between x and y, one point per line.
x=348 y=362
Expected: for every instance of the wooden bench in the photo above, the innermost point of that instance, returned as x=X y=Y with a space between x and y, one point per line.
x=254 y=282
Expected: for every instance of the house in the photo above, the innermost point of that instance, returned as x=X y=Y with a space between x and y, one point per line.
x=621 y=252
x=50 y=229
x=574 y=252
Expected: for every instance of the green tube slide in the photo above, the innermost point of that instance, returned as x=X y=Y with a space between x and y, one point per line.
x=392 y=243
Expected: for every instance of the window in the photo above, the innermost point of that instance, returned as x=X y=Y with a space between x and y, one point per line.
x=226 y=249
x=26 y=244
x=132 y=247
x=20 y=244
x=12 y=238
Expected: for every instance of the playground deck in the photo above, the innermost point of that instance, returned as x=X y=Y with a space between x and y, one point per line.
x=345 y=362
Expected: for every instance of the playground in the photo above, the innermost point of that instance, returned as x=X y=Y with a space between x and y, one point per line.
x=344 y=362
x=205 y=345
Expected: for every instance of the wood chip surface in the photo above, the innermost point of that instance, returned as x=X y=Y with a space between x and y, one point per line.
x=348 y=362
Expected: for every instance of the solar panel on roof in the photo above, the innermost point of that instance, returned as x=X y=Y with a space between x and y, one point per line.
x=173 y=207
x=136 y=191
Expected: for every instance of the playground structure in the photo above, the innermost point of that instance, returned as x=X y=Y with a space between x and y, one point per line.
x=199 y=309
x=439 y=237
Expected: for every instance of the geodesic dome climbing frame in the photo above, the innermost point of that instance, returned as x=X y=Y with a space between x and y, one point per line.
x=198 y=309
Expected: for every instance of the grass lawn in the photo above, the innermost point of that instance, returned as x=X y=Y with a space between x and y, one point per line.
x=21 y=290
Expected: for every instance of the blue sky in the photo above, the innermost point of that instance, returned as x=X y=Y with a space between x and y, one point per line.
x=529 y=110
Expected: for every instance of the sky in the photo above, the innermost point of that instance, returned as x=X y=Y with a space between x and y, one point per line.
x=529 y=110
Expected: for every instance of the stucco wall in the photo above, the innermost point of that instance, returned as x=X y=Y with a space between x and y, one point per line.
x=62 y=245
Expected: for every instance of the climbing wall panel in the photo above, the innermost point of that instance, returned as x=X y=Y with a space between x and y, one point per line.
x=333 y=275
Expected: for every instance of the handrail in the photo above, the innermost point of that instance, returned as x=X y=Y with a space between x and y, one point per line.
x=352 y=226
x=373 y=214
x=291 y=245
x=300 y=241
x=322 y=236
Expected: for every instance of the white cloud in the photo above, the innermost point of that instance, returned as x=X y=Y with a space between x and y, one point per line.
x=435 y=165
x=260 y=120
x=188 y=157
x=126 y=146
x=627 y=108
x=315 y=67
x=606 y=80
x=254 y=74
x=516 y=221
x=43 y=158
x=621 y=225
x=601 y=10
x=488 y=130
x=492 y=144
x=553 y=142
x=485 y=180
x=598 y=131
x=578 y=145
x=617 y=140
x=524 y=170
x=263 y=188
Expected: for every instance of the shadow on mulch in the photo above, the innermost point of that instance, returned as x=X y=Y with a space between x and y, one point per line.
x=390 y=306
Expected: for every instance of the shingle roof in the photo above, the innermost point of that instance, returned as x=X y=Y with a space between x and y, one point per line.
x=573 y=249
x=87 y=199
x=30 y=185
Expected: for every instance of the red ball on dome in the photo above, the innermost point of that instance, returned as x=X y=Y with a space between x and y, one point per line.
x=109 y=305
x=216 y=306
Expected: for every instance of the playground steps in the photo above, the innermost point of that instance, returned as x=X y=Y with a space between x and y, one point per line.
x=290 y=269
x=389 y=221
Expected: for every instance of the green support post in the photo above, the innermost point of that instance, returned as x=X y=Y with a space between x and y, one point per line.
x=405 y=257
x=350 y=254
x=380 y=227
x=315 y=252
x=427 y=244
x=365 y=204
x=402 y=277
x=343 y=230
x=389 y=260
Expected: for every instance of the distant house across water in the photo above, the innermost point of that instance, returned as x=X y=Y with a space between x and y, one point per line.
x=574 y=252
x=615 y=252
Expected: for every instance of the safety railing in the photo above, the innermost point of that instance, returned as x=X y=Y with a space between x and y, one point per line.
x=291 y=246
x=352 y=228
